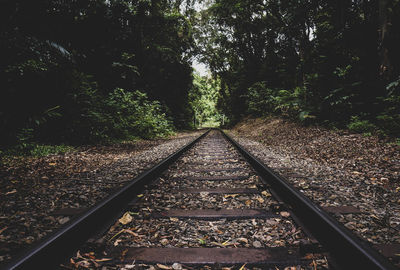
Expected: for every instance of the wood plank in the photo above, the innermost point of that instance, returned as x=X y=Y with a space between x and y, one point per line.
x=208 y=170
x=389 y=250
x=211 y=214
x=68 y=211
x=213 y=163
x=221 y=190
x=265 y=256
x=342 y=209
x=218 y=178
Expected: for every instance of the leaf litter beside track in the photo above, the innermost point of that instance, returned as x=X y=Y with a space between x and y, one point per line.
x=31 y=189
x=334 y=168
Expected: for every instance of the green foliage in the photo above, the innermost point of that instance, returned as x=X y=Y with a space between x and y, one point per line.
x=121 y=115
x=40 y=150
x=131 y=114
x=262 y=101
x=36 y=150
x=360 y=126
x=61 y=61
x=326 y=56
x=388 y=120
x=27 y=147
x=203 y=100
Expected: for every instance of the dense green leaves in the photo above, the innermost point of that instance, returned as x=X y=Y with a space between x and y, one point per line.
x=326 y=61
x=203 y=100
x=70 y=70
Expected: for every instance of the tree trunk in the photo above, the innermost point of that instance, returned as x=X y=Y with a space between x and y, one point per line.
x=385 y=67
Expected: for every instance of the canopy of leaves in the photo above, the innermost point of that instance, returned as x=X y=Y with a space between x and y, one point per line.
x=61 y=62
x=324 y=61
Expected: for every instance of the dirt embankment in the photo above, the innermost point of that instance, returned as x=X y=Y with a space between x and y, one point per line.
x=352 y=151
x=333 y=168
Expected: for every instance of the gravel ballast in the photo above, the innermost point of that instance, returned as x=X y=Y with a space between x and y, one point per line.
x=148 y=223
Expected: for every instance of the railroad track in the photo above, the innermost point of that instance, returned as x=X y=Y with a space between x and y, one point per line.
x=208 y=206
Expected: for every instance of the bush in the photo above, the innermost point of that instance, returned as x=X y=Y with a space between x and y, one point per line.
x=131 y=114
x=389 y=119
x=291 y=103
x=260 y=99
x=360 y=126
x=86 y=116
x=40 y=150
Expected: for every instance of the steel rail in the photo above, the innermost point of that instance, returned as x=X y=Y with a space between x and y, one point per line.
x=347 y=250
x=55 y=248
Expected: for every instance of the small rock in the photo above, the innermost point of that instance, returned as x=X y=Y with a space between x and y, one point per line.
x=63 y=220
x=177 y=266
x=257 y=244
x=164 y=241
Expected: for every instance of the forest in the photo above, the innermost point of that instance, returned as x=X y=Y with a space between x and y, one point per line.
x=90 y=71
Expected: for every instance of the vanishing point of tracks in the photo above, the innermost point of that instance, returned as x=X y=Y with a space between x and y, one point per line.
x=208 y=206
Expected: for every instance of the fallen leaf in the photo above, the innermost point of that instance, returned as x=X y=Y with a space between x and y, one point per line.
x=11 y=192
x=242 y=240
x=2 y=230
x=266 y=193
x=78 y=255
x=140 y=195
x=52 y=164
x=132 y=233
x=261 y=200
x=226 y=243
x=116 y=243
x=308 y=256
x=202 y=241
x=103 y=260
x=230 y=196
x=248 y=202
x=126 y=218
x=217 y=244
x=161 y=266
x=118 y=233
x=241 y=268
x=90 y=255
x=173 y=219
x=285 y=214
